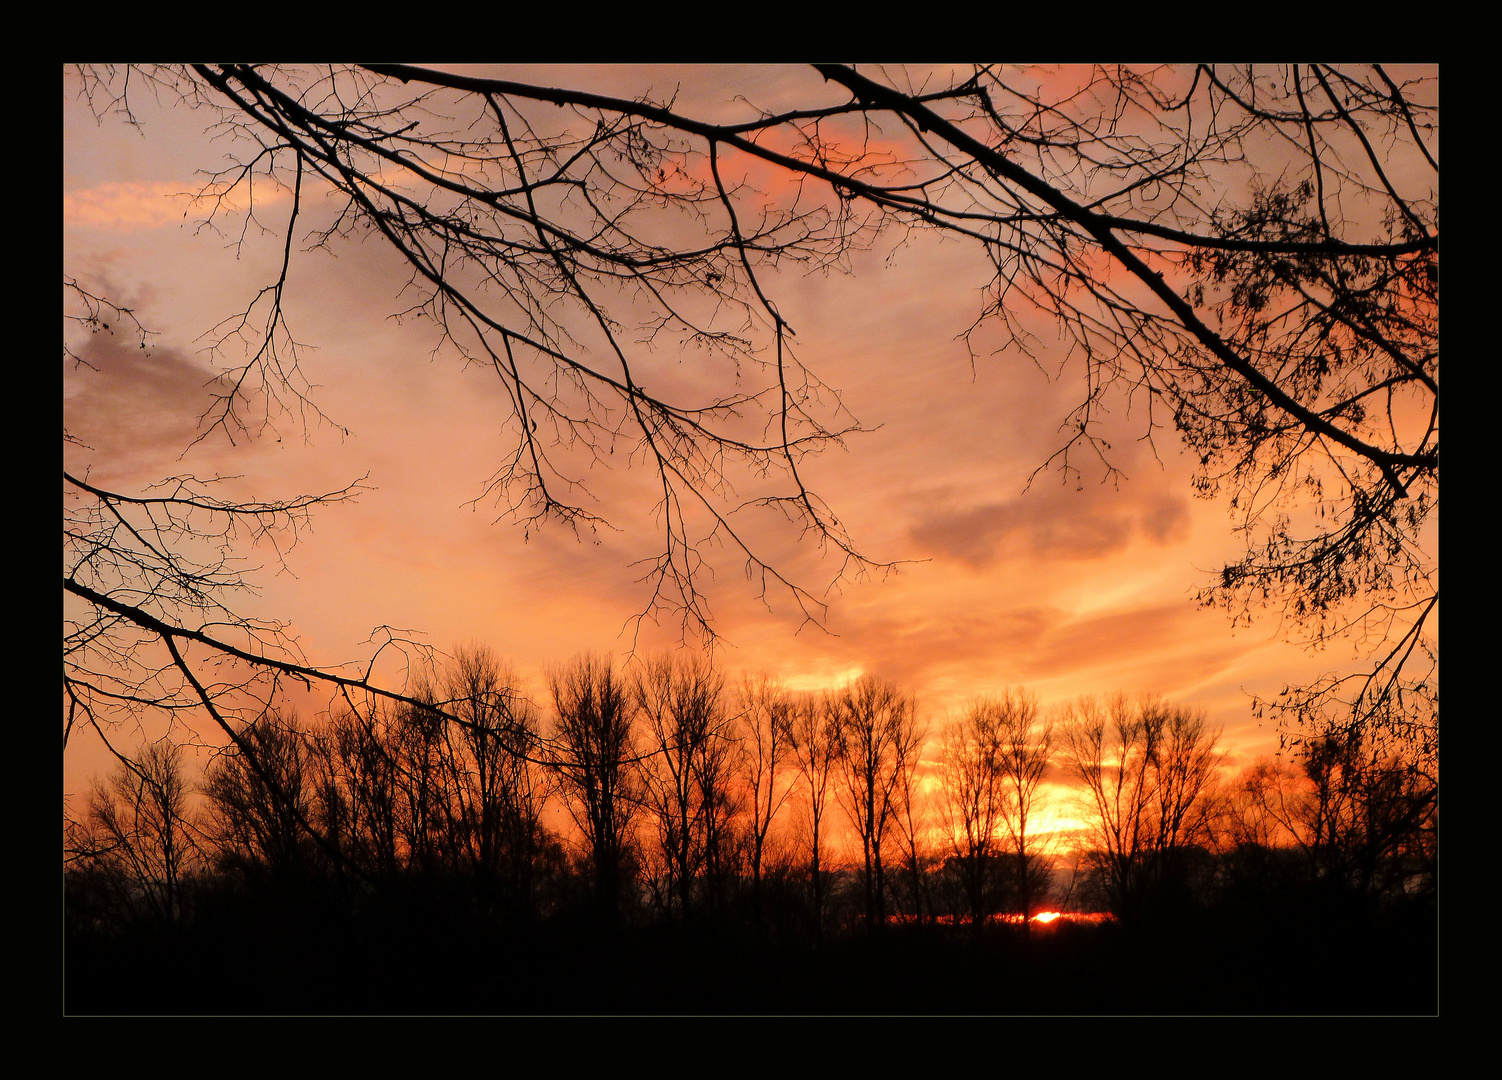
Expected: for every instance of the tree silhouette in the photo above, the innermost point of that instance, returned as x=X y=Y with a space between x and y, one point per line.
x=1026 y=750
x=1145 y=768
x=140 y=834
x=595 y=759
x=910 y=816
x=424 y=794
x=876 y=735
x=1247 y=255
x=973 y=795
x=496 y=804
x=684 y=727
x=412 y=923
x=259 y=816
x=765 y=713
x=815 y=744
x=358 y=794
x=1370 y=822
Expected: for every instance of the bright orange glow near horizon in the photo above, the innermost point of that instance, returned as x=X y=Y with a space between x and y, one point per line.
x=1002 y=579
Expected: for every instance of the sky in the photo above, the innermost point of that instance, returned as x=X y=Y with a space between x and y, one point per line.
x=1004 y=578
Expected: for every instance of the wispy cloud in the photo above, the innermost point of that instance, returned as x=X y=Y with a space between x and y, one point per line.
x=135 y=205
x=1054 y=525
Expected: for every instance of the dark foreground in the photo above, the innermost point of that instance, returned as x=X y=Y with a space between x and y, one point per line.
x=247 y=963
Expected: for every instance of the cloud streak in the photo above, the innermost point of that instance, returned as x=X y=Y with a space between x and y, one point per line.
x=1052 y=527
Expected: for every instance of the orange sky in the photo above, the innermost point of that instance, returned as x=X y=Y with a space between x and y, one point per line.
x=1061 y=589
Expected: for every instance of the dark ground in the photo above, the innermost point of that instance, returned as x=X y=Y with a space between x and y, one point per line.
x=246 y=964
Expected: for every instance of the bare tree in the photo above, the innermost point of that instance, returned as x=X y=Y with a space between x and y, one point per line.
x=1247 y=254
x=815 y=748
x=992 y=764
x=722 y=810
x=258 y=814
x=424 y=784
x=684 y=724
x=495 y=801
x=874 y=727
x=1145 y=768
x=1255 y=807
x=141 y=832
x=1264 y=864
x=1369 y=820
x=765 y=713
x=358 y=794
x=973 y=797
x=595 y=760
x=1025 y=751
x=1345 y=824
x=910 y=815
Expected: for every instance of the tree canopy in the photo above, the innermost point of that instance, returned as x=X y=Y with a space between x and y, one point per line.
x=1250 y=256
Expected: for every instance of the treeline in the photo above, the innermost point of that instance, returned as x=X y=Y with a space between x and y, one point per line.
x=665 y=806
